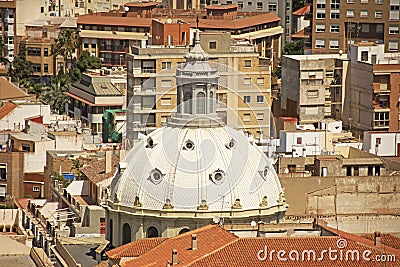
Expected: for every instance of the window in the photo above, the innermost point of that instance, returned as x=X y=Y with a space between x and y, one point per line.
x=393 y=45
x=288 y=6
x=321 y=5
x=240 y=4
x=37 y=67
x=312 y=93
x=364 y=13
x=350 y=1
x=260 y=99
x=364 y=27
x=260 y=81
x=335 y=14
x=26 y=147
x=381 y=119
x=378 y=14
x=36 y=189
x=260 y=116
x=249 y=3
x=3 y=171
x=212 y=45
x=86 y=45
x=246 y=99
x=393 y=29
x=166 y=83
x=364 y=1
x=246 y=117
x=46 y=67
x=379 y=2
x=166 y=65
x=34 y=51
x=320 y=43
x=321 y=14
x=247 y=81
x=320 y=27
x=165 y=101
x=45 y=52
x=42 y=9
x=259 y=5
x=334 y=27
x=379 y=28
x=350 y=13
x=201 y=103
x=299 y=140
x=148 y=102
x=334 y=44
x=364 y=55
x=378 y=140
x=272 y=7
x=335 y=4
x=247 y=63
x=287 y=19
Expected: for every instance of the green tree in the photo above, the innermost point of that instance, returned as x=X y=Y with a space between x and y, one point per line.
x=22 y=70
x=77 y=166
x=66 y=44
x=54 y=95
x=297 y=4
x=292 y=48
x=3 y=59
x=85 y=61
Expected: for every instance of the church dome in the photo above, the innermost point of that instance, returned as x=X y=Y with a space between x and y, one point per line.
x=190 y=169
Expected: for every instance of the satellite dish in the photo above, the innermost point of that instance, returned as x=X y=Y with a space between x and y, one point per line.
x=253 y=224
x=216 y=219
x=126 y=9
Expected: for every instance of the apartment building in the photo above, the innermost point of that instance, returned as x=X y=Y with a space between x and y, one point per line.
x=335 y=24
x=243 y=92
x=312 y=86
x=110 y=36
x=40 y=34
x=8 y=29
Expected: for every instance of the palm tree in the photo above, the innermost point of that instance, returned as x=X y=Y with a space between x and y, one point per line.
x=77 y=166
x=66 y=44
x=54 y=95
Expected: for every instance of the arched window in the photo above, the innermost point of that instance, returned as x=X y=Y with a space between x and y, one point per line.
x=126 y=233
x=187 y=103
x=184 y=230
x=110 y=231
x=200 y=103
x=152 y=232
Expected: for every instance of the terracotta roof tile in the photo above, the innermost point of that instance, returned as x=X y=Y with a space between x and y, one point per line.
x=135 y=249
x=95 y=172
x=209 y=238
x=139 y=4
x=386 y=239
x=6 y=109
x=302 y=11
x=243 y=252
x=221 y=7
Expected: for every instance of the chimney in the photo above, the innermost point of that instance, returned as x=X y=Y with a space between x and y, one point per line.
x=377 y=238
x=194 y=241
x=108 y=161
x=174 y=257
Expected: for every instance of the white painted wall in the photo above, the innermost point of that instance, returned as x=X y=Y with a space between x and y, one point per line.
x=387 y=147
x=17 y=116
x=311 y=144
x=35 y=161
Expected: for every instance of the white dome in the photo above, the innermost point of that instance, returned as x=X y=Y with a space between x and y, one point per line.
x=185 y=167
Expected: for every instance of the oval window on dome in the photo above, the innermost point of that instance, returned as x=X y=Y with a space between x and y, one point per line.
x=266 y=171
x=231 y=144
x=150 y=143
x=189 y=145
x=217 y=176
x=156 y=176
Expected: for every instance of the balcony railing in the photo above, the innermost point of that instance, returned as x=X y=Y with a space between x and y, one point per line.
x=148 y=70
x=114 y=48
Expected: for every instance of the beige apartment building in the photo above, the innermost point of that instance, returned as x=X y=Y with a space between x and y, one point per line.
x=335 y=24
x=244 y=89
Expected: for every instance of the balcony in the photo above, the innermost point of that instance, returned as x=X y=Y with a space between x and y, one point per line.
x=10 y=46
x=10 y=20
x=308 y=16
x=112 y=48
x=148 y=70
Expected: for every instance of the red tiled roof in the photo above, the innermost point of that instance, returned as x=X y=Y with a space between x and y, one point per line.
x=386 y=239
x=135 y=249
x=95 y=172
x=300 y=34
x=222 y=7
x=244 y=251
x=302 y=11
x=209 y=239
x=6 y=109
x=235 y=24
x=139 y=4
x=93 y=19
x=23 y=203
